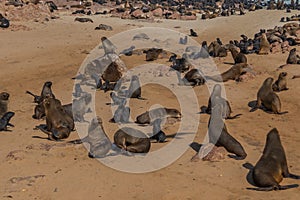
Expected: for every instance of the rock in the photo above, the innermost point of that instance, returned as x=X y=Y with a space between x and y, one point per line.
x=158 y=12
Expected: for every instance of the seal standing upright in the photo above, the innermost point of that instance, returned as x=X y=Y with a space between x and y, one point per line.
x=281 y=83
x=4 y=96
x=272 y=166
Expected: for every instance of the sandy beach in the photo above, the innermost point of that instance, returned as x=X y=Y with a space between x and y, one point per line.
x=33 y=168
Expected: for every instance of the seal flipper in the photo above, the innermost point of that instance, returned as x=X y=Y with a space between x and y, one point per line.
x=195 y=146
x=293 y=176
x=234 y=117
x=282 y=113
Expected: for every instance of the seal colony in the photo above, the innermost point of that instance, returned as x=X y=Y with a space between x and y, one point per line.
x=267 y=173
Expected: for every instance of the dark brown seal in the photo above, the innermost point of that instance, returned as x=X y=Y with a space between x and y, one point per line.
x=216 y=98
x=233 y=73
x=150 y=116
x=238 y=57
x=83 y=19
x=293 y=58
x=216 y=50
x=4 y=121
x=132 y=140
x=266 y=97
x=4 y=98
x=219 y=135
x=58 y=123
x=281 y=83
x=272 y=166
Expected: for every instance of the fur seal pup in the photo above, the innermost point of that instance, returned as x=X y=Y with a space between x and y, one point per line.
x=233 y=73
x=121 y=115
x=4 y=121
x=58 y=123
x=4 y=23
x=268 y=98
x=108 y=46
x=149 y=116
x=82 y=19
x=183 y=40
x=193 y=77
x=219 y=135
x=293 y=58
x=181 y=64
x=272 y=166
x=132 y=140
x=46 y=92
x=193 y=33
x=135 y=90
x=152 y=54
x=216 y=98
x=99 y=142
x=216 y=50
x=204 y=50
x=238 y=57
x=4 y=96
x=158 y=134
x=281 y=83
x=264 y=45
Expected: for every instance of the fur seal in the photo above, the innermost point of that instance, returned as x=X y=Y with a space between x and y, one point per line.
x=121 y=115
x=46 y=92
x=238 y=57
x=4 y=121
x=4 y=96
x=135 y=90
x=181 y=65
x=99 y=142
x=152 y=54
x=233 y=73
x=108 y=46
x=272 y=166
x=4 y=23
x=193 y=33
x=281 y=83
x=132 y=140
x=82 y=19
x=216 y=98
x=224 y=139
x=192 y=78
x=81 y=106
x=150 y=116
x=268 y=98
x=158 y=134
x=216 y=50
x=264 y=46
x=58 y=123
x=293 y=58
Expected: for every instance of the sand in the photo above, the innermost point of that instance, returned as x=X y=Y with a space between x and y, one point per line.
x=40 y=169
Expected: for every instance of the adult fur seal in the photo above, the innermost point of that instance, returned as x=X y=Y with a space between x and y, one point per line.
x=219 y=135
x=238 y=57
x=216 y=98
x=135 y=90
x=150 y=116
x=267 y=97
x=272 y=166
x=216 y=50
x=58 y=123
x=4 y=96
x=281 y=83
x=293 y=58
x=158 y=134
x=233 y=73
x=264 y=46
x=4 y=121
x=132 y=140
x=99 y=142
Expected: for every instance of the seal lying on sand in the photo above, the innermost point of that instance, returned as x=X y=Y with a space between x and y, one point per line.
x=150 y=116
x=132 y=140
x=272 y=167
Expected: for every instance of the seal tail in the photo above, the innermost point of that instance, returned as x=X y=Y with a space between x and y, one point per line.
x=280 y=187
x=234 y=117
x=195 y=146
